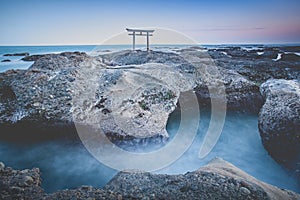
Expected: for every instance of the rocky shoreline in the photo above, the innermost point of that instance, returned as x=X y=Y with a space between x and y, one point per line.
x=131 y=94
x=216 y=180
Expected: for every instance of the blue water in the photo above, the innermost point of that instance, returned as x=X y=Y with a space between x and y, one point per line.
x=65 y=165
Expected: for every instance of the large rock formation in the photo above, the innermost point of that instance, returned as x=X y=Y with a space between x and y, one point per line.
x=131 y=94
x=40 y=96
x=125 y=93
x=279 y=121
x=217 y=180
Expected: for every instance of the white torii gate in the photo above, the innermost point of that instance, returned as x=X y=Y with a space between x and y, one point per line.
x=139 y=32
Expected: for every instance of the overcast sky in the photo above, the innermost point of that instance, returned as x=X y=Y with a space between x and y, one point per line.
x=44 y=22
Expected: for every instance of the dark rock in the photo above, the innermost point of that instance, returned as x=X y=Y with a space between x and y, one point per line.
x=291 y=57
x=279 y=121
x=59 y=61
x=217 y=180
x=45 y=93
x=20 y=184
x=6 y=60
x=241 y=94
x=25 y=97
x=290 y=48
x=269 y=53
x=17 y=54
x=142 y=57
x=33 y=57
x=254 y=67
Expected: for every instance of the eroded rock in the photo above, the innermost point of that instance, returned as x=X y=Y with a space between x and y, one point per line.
x=279 y=121
x=216 y=180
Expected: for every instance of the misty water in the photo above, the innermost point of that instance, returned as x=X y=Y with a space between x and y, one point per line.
x=67 y=165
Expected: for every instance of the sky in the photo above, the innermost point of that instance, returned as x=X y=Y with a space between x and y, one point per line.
x=73 y=22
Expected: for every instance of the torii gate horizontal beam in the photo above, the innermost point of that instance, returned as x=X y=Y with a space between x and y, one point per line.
x=140 y=34
x=139 y=30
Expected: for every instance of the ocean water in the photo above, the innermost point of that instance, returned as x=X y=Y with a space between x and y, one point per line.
x=66 y=165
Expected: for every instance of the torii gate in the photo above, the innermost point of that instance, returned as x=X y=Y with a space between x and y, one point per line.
x=139 y=32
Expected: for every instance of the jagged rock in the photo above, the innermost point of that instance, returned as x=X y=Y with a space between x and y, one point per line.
x=84 y=192
x=60 y=61
x=290 y=57
x=255 y=67
x=125 y=93
x=131 y=100
x=241 y=94
x=33 y=57
x=279 y=121
x=17 y=54
x=6 y=60
x=20 y=184
x=216 y=180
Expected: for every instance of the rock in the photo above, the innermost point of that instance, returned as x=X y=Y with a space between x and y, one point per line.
x=279 y=121
x=291 y=57
x=17 y=54
x=2 y=165
x=141 y=57
x=16 y=184
x=58 y=61
x=254 y=67
x=241 y=94
x=130 y=94
x=245 y=190
x=27 y=180
x=36 y=104
x=132 y=101
x=216 y=180
x=33 y=57
x=290 y=48
x=6 y=60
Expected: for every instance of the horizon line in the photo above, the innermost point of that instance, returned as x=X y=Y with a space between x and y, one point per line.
x=199 y=44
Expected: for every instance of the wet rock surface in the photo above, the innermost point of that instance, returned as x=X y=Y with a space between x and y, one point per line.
x=279 y=121
x=259 y=63
x=20 y=184
x=17 y=54
x=131 y=94
x=217 y=180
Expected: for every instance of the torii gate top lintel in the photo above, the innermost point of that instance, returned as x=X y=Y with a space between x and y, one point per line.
x=139 y=32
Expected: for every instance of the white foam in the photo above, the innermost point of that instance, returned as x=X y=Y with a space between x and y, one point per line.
x=226 y=54
x=260 y=53
x=278 y=57
x=296 y=53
